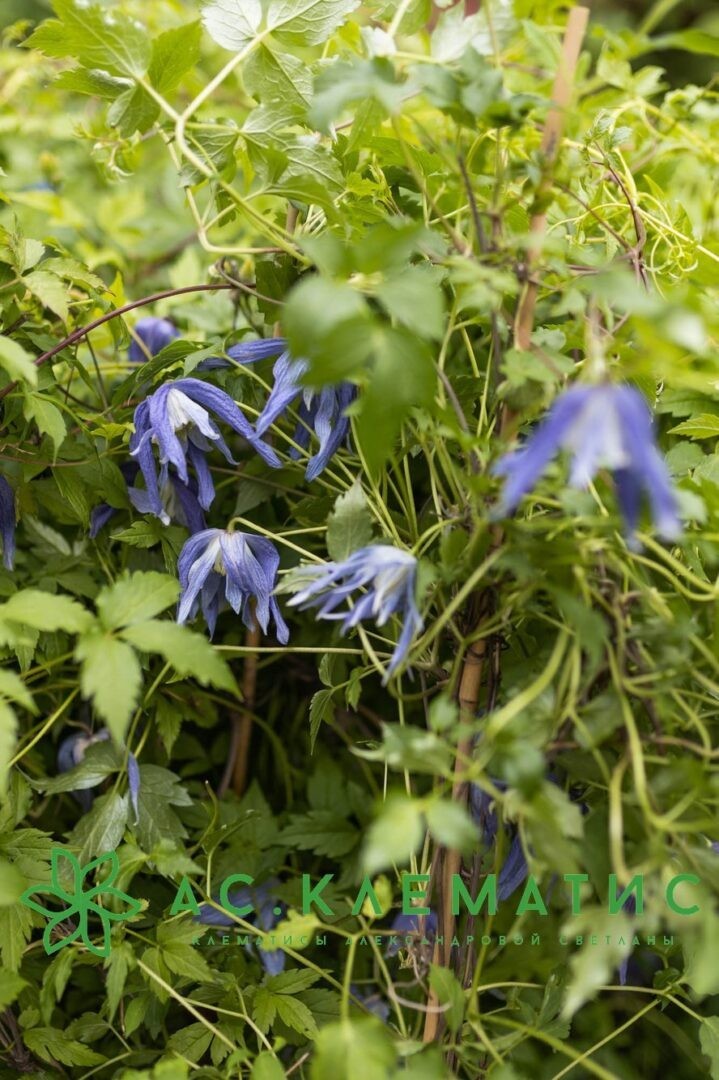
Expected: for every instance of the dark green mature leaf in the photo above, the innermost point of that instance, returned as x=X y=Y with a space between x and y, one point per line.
x=102 y=828
x=321 y=831
x=160 y=790
x=117 y=45
x=53 y=1045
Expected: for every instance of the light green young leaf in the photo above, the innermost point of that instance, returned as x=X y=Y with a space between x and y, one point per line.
x=8 y=738
x=349 y=526
x=355 y=1050
x=10 y=987
x=135 y=598
x=233 y=24
x=189 y=653
x=451 y=826
x=16 y=361
x=709 y=1040
x=111 y=677
x=307 y=22
x=395 y=835
x=174 y=53
x=102 y=828
x=114 y=44
x=45 y=611
x=48 y=418
x=49 y=290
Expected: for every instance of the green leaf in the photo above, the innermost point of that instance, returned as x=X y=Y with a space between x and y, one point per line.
x=141 y=534
x=15 y=930
x=321 y=711
x=416 y=300
x=191 y=1041
x=45 y=611
x=321 y=831
x=402 y=378
x=395 y=835
x=174 y=53
x=111 y=677
x=349 y=526
x=10 y=987
x=450 y=995
x=692 y=41
x=704 y=426
x=188 y=652
x=160 y=789
x=136 y=598
x=102 y=828
x=48 y=418
x=100 y=760
x=8 y=740
x=267 y=1067
x=328 y=322
x=451 y=826
x=12 y=883
x=233 y=24
x=355 y=1050
x=307 y=22
x=52 y=1045
x=708 y=1039
x=277 y=78
x=12 y=687
x=296 y=1015
x=16 y=361
x=115 y=44
x=49 y=290
x=343 y=83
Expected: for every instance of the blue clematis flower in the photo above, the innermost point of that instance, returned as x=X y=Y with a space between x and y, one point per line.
x=372 y=1000
x=153 y=334
x=601 y=426
x=390 y=578
x=410 y=925
x=321 y=412
x=179 y=501
x=240 y=564
x=176 y=418
x=71 y=752
x=514 y=870
x=267 y=912
x=7 y=523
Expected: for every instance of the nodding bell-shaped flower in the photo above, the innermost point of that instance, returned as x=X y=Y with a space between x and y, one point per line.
x=176 y=418
x=321 y=412
x=7 y=523
x=390 y=579
x=266 y=912
x=514 y=869
x=151 y=335
x=239 y=566
x=606 y=426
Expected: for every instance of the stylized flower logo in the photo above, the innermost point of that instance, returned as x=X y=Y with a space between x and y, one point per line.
x=80 y=903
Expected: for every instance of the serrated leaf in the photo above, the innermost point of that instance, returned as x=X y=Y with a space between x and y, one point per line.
x=321 y=709
x=188 y=652
x=233 y=24
x=113 y=43
x=349 y=526
x=102 y=828
x=136 y=598
x=321 y=831
x=296 y=1015
x=10 y=987
x=51 y=1045
x=48 y=418
x=141 y=534
x=45 y=611
x=704 y=426
x=307 y=22
x=708 y=1039
x=16 y=361
x=174 y=53
x=110 y=676
x=49 y=290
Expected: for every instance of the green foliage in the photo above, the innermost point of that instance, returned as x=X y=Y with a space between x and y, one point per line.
x=369 y=181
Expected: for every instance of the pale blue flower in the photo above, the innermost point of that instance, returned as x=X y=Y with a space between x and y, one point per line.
x=154 y=334
x=7 y=523
x=267 y=912
x=321 y=412
x=176 y=419
x=601 y=426
x=514 y=869
x=390 y=579
x=238 y=565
